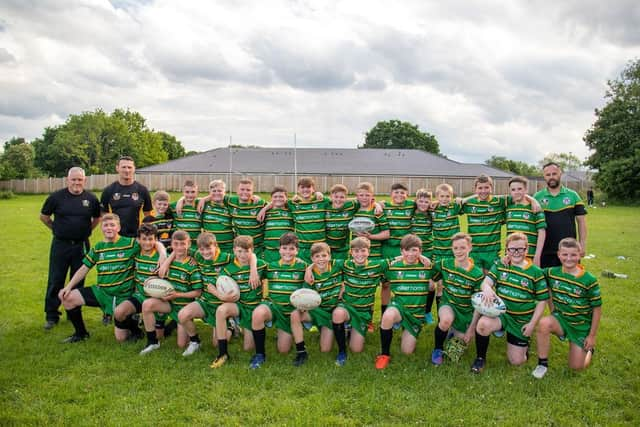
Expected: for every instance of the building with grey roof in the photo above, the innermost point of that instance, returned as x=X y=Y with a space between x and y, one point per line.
x=323 y=161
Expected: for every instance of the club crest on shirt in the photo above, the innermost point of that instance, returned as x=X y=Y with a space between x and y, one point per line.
x=120 y=254
x=116 y=196
x=544 y=201
x=85 y=203
x=525 y=215
x=524 y=283
x=566 y=201
x=422 y=275
x=504 y=275
x=135 y=196
x=399 y=274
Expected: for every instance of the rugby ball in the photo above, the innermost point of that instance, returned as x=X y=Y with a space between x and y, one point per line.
x=495 y=309
x=156 y=287
x=225 y=285
x=305 y=299
x=361 y=225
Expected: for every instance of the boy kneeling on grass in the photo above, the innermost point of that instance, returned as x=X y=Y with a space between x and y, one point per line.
x=576 y=308
x=410 y=282
x=114 y=257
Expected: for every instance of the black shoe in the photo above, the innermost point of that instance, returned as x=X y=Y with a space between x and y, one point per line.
x=300 y=359
x=50 y=324
x=478 y=365
x=106 y=319
x=169 y=328
x=75 y=338
x=135 y=335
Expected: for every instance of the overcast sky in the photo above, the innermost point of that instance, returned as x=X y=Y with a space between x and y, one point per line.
x=508 y=78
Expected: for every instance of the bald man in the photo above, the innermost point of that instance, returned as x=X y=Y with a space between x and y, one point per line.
x=71 y=214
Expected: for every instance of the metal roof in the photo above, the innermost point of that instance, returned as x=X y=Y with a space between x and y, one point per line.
x=323 y=161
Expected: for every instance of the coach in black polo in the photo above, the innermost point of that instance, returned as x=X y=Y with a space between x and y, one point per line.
x=75 y=213
x=126 y=197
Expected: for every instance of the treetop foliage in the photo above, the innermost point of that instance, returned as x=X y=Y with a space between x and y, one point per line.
x=398 y=134
x=615 y=137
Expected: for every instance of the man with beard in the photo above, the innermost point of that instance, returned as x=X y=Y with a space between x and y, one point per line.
x=562 y=207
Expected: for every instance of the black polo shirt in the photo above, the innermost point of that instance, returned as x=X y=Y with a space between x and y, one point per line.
x=126 y=201
x=72 y=214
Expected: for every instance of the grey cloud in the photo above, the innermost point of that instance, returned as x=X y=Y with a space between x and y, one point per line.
x=301 y=67
x=617 y=21
x=6 y=56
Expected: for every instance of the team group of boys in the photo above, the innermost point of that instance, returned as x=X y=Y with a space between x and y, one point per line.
x=415 y=253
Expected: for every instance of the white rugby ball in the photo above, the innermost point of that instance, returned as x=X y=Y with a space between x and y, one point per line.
x=227 y=286
x=494 y=309
x=156 y=287
x=361 y=225
x=305 y=299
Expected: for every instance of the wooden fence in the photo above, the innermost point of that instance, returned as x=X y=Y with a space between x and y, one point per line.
x=264 y=183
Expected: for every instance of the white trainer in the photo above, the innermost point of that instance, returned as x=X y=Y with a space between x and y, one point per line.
x=539 y=372
x=192 y=348
x=148 y=349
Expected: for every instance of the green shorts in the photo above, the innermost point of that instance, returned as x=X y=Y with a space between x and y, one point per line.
x=106 y=301
x=573 y=333
x=410 y=322
x=390 y=251
x=271 y=255
x=461 y=318
x=359 y=319
x=484 y=259
x=513 y=326
x=279 y=318
x=321 y=318
x=342 y=254
x=209 y=311
x=244 y=313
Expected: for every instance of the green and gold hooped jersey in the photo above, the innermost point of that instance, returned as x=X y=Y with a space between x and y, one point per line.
x=574 y=297
x=409 y=284
x=282 y=280
x=243 y=219
x=458 y=283
x=485 y=219
x=209 y=271
x=217 y=221
x=522 y=219
x=421 y=226
x=308 y=219
x=115 y=262
x=521 y=288
x=399 y=218
x=361 y=282
x=240 y=273
x=145 y=267
x=337 y=224
x=328 y=284
x=188 y=221
x=445 y=223
x=277 y=222
x=185 y=278
x=381 y=224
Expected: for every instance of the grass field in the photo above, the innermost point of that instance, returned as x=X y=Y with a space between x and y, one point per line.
x=99 y=382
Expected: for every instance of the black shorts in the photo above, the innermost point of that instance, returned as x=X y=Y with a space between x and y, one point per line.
x=517 y=341
x=89 y=297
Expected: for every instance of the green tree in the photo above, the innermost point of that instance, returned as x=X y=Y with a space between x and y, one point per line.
x=397 y=134
x=16 y=161
x=94 y=140
x=615 y=137
x=566 y=161
x=515 y=166
x=172 y=146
